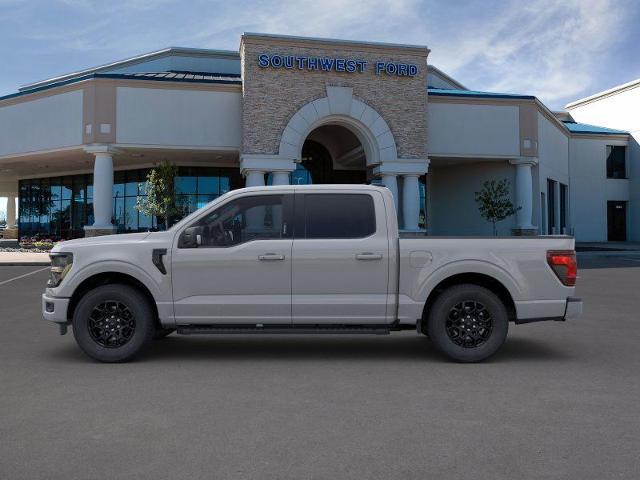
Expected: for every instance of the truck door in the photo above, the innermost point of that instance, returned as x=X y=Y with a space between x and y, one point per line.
x=340 y=272
x=239 y=272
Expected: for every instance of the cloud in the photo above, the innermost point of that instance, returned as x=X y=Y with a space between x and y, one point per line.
x=557 y=50
x=547 y=48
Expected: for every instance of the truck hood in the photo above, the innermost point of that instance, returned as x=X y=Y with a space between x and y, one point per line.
x=119 y=240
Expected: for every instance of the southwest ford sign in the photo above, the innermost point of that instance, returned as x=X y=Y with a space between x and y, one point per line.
x=334 y=64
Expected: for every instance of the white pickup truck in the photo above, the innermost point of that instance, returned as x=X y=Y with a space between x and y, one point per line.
x=305 y=259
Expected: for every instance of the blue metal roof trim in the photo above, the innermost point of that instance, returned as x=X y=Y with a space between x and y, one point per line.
x=444 y=92
x=585 y=128
x=226 y=80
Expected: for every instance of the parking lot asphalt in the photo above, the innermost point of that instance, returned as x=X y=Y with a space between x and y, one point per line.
x=561 y=400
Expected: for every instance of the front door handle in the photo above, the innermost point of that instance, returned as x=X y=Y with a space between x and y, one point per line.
x=369 y=256
x=270 y=257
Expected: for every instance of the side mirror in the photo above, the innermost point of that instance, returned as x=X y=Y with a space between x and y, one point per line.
x=190 y=238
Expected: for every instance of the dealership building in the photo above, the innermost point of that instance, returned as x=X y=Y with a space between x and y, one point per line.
x=75 y=149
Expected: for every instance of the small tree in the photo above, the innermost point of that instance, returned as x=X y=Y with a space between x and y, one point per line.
x=160 y=199
x=494 y=202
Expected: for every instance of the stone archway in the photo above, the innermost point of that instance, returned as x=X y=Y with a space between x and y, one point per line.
x=339 y=107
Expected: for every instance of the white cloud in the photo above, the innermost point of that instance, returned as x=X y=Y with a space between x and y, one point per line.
x=547 y=48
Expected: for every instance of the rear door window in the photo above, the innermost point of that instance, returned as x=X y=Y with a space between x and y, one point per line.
x=338 y=215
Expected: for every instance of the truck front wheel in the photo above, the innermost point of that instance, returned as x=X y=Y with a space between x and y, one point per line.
x=468 y=323
x=113 y=323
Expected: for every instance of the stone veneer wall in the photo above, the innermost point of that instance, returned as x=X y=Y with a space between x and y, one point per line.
x=272 y=96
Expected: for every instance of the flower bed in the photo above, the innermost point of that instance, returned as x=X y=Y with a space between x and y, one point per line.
x=34 y=244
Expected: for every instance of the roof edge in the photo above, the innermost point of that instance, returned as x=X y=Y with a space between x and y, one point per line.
x=131 y=61
x=115 y=76
x=605 y=93
x=336 y=41
x=447 y=77
x=445 y=92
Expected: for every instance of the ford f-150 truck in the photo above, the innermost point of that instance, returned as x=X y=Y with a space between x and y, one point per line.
x=305 y=259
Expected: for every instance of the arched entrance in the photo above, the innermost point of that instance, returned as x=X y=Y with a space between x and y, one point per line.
x=340 y=139
x=333 y=154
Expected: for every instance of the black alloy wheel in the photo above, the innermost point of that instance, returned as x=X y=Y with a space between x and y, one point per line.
x=111 y=324
x=469 y=324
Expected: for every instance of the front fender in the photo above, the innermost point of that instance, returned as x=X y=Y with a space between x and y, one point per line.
x=73 y=281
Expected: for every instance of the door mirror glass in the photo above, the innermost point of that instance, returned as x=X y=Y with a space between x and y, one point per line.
x=191 y=237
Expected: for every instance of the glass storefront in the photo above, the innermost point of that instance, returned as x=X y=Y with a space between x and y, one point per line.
x=59 y=207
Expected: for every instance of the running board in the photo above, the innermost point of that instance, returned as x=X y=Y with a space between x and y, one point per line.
x=280 y=329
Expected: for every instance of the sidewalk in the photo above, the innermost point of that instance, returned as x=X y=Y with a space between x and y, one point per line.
x=24 y=259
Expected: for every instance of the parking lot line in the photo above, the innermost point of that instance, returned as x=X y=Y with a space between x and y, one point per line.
x=22 y=276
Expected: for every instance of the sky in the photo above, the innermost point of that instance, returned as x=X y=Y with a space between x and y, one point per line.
x=557 y=50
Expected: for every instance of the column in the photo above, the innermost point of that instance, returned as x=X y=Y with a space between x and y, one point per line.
x=410 y=202
x=11 y=212
x=280 y=178
x=409 y=170
x=524 y=196
x=102 y=191
x=255 y=217
x=391 y=182
x=254 y=178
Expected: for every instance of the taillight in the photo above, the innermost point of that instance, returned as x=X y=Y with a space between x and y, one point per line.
x=564 y=265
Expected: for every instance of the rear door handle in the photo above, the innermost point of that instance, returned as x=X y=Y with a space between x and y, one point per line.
x=369 y=256
x=270 y=257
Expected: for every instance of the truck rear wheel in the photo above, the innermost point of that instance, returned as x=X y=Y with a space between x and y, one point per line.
x=113 y=323
x=468 y=323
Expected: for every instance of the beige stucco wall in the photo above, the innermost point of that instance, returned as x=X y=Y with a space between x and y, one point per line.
x=50 y=122
x=452 y=209
x=473 y=129
x=272 y=96
x=178 y=117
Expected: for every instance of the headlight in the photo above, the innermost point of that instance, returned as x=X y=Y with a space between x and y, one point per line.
x=60 y=265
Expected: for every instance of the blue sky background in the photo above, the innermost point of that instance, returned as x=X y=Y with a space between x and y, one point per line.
x=557 y=50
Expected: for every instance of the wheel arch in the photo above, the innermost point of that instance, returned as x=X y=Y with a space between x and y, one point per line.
x=474 y=278
x=111 y=278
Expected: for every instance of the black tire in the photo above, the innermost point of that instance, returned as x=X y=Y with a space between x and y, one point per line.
x=113 y=323
x=162 y=332
x=468 y=323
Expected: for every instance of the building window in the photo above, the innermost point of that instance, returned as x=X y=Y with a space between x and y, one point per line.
x=564 y=204
x=616 y=161
x=551 y=206
x=60 y=207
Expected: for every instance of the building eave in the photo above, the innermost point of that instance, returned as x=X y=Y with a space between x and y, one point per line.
x=319 y=41
x=132 y=61
x=448 y=78
x=116 y=76
x=606 y=93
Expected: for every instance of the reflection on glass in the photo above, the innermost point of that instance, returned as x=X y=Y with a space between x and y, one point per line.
x=55 y=188
x=66 y=188
x=208 y=185
x=79 y=187
x=301 y=176
x=62 y=206
x=131 y=214
x=225 y=185
x=185 y=185
x=118 y=214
